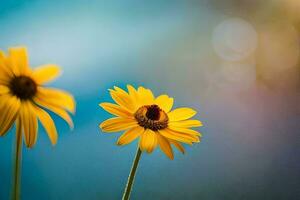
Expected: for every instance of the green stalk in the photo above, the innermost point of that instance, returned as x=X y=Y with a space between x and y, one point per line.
x=17 y=165
x=131 y=177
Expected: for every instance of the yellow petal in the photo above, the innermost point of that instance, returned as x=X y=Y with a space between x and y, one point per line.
x=134 y=97
x=57 y=98
x=123 y=99
x=2 y=55
x=29 y=123
x=187 y=123
x=4 y=89
x=47 y=123
x=3 y=79
x=173 y=135
x=56 y=109
x=9 y=108
x=184 y=130
x=6 y=72
x=133 y=93
x=181 y=114
x=19 y=60
x=119 y=90
x=148 y=141
x=165 y=146
x=117 y=124
x=45 y=73
x=178 y=146
x=116 y=110
x=164 y=102
x=145 y=96
x=131 y=99
x=130 y=135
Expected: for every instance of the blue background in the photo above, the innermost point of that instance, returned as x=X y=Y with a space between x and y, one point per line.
x=250 y=148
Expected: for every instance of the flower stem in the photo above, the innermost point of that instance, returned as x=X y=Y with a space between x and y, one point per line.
x=17 y=165
x=131 y=177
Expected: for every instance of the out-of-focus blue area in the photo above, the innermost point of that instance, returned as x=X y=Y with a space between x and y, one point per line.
x=248 y=149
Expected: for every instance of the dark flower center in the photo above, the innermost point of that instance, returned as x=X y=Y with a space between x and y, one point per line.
x=23 y=87
x=152 y=117
x=153 y=112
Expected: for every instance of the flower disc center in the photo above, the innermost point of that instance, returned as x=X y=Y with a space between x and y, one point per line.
x=152 y=117
x=153 y=112
x=23 y=87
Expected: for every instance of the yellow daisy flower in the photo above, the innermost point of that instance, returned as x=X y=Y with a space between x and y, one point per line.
x=150 y=119
x=23 y=97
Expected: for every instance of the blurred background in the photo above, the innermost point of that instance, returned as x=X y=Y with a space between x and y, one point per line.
x=235 y=61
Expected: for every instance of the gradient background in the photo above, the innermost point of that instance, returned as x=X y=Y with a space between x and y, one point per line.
x=242 y=77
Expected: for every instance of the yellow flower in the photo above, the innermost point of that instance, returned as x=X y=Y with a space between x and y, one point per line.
x=23 y=97
x=150 y=119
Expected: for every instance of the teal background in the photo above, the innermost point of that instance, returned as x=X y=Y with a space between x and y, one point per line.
x=250 y=145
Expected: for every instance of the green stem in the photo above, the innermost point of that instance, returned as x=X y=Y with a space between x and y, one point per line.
x=131 y=177
x=17 y=164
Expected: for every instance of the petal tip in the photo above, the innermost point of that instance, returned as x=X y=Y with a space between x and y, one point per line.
x=129 y=86
x=53 y=141
x=171 y=157
x=102 y=105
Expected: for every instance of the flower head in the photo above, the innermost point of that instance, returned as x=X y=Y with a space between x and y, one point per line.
x=150 y=119
x=23 y=97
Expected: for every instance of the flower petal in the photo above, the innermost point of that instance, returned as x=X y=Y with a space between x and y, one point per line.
x=19 y=60
x=165 y=146
x=134 y=97
x=120 y=90
x=2 y=55
x=116 y=110
x=6 y=72
x=173 y=135
x=181 y=114
x=9 y=108
x=56 y=109
x=56 y=98
x=184 y=130
x=146 y=96
x=29 y=123
x=178 y=146
x=4 y=89
x=117 y=124
x=148 y=141
x=130 y=135
x=45 y=73
x=123 y=99
x=132 y=93
x=164 y=102
x=47 y=123
x=187 y=123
